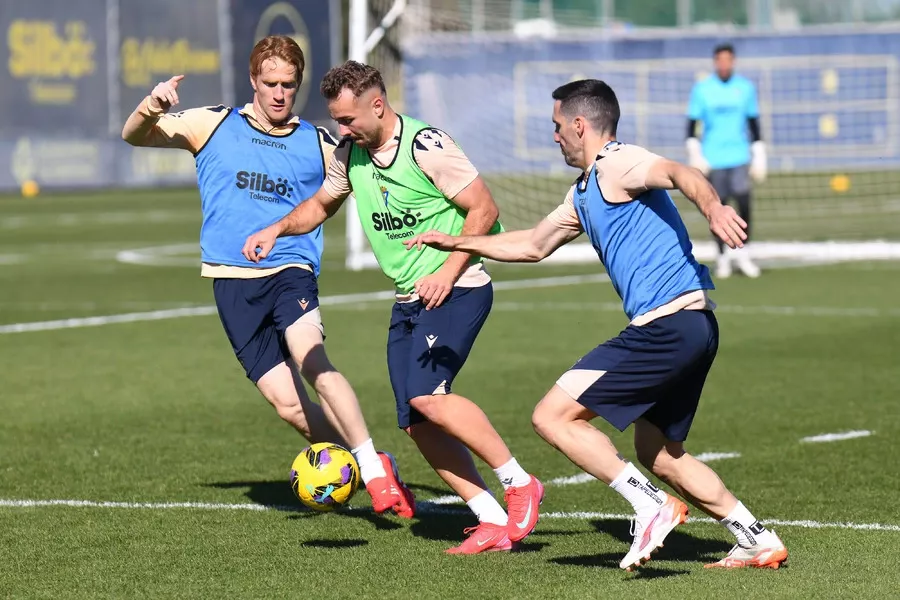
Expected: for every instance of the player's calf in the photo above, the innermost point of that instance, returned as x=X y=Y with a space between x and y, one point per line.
x=464 y=420
x=280 y=387
x=698 y=483
x=467 y=424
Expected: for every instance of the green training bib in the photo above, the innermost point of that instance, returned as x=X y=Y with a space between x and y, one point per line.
x=399 y=202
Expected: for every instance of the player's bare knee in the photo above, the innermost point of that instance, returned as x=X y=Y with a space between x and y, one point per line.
x=305 y=341
x=429 y=406
x=557 y=410
x=295 y=416
x=317 y=368
x=546 y=421
x=287 y=406
x=542 y=423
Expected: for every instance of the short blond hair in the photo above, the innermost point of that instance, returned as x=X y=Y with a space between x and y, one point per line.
x=277 y=46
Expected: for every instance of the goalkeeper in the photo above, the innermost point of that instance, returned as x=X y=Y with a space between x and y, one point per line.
x=726 y=105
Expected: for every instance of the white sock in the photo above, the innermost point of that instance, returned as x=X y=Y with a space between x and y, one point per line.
x=511 y=474
x=487 y=509
x=645 y=497
x=369 y=462
x=744 y=526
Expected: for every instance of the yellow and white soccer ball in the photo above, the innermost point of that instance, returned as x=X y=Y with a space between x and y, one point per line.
x=324 y=476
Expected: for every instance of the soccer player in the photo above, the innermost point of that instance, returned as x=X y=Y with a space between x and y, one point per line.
x=409 y=177
x=254 y=164
x=726 y=106
x=653 y=372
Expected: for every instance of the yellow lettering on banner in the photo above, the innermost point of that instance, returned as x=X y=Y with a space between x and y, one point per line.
x=142 y=61
x=56 y=161
x=52 y=93
x=37 y=51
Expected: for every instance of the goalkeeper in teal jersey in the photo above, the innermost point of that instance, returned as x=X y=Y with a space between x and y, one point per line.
x=732 y=152
x=408 y=178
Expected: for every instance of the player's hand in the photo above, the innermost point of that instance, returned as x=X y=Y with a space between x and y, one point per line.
x=432 y=238
x=264 y=240
x=165 y=95
x=726 y=225
x=433 y=289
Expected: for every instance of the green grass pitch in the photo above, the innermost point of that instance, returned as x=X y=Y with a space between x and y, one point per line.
x=159 y=412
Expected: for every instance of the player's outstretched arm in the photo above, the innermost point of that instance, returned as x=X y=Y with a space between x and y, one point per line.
x=305 y=217
x=528 y=246
x=724 y=222
x=142 y=129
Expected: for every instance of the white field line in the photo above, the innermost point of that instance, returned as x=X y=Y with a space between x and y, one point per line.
x=837 y=437
x=427 y=507
x=59 y=305
x=572 y=479
x=786 y=311
x=187 y=254
x=804 y=523
x=198 y=311
x=442 y=500
x=104 y=218
x=711 y=456
x=583 y=477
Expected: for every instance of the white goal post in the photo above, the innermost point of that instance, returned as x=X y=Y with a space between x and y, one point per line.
x=359 y=43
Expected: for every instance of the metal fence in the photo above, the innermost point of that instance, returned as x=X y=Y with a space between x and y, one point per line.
x=480 y=15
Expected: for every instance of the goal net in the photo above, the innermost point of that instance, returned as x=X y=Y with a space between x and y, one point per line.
x=828 y=101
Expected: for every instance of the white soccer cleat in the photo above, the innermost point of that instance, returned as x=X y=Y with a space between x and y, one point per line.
x=650 y=532
x=768 y=553
x=723 y=265
x=745 y=264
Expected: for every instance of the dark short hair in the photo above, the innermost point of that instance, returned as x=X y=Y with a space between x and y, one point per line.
x=352 y=75
x=723 y=48
x=592 y=99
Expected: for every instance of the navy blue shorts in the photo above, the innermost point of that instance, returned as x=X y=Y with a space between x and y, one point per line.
x=655 y=371
x=426 y=349
x=256 y=313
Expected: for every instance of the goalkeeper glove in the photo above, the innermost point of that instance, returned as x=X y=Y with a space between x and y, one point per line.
x=758 y=161
x=695 y=155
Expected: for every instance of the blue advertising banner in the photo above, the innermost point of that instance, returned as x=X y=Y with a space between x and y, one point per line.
x=54 y=93
x=310 y=22
x=76 y=69
x=827 y=100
